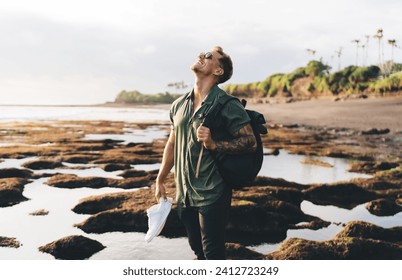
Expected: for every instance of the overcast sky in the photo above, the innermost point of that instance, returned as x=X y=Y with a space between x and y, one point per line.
x=87 y=51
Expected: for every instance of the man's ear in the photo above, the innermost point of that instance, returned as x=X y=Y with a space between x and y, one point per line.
x=219 y=71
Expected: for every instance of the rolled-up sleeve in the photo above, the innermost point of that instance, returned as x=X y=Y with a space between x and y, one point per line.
x=235 y=116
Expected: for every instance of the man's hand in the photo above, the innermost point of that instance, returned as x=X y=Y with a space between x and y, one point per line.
x=160 y=191
x=204 y=135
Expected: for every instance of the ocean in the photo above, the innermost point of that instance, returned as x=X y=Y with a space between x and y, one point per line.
x=35 y=231
x=78 y=113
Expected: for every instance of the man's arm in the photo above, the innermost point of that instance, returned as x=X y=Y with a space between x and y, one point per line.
x=243 y=141
x=167 y=164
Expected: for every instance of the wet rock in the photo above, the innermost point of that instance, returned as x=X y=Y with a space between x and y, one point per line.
x=129 y=220
x=337 y=154
x=131 y=159
x=255 y=217
x=15 y=173
x=317 y=163
x=294 y=125
x=42 y=164
x=41 y=212
x=9 y=242
x=44 y=175
x=235 y=251
x=263 y=194
x=125 y=212
x=144 y=153
x=116 y=166
x=376 y=184
x=375 y=131
x=350 y=248
x=315 y=223
x=74 y=247
x=290 y=195
x=383 y=207
x=11 y=191
x=264 y=213
x=125 y=220
x=96 y=204
x=345 y=195
x=251 y=225
x=273 y=152
x=367 y=230
x=70 y=181
x=392 y=175
x=83 y=159
x=130 y=183
x=372 y=167
x=277 y=182
x=133 y=173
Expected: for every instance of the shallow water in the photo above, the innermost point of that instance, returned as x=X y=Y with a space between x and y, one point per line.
x=290 y=167
x=41 y=113
x=35 y=231
x=132 y=135
x=337 y=216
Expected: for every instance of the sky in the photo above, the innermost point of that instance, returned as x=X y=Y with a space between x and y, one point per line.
x=87 y=51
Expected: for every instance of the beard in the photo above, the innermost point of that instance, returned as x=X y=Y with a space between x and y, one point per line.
x=195 y=68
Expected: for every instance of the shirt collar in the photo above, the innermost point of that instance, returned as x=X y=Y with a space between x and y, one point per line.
x=209 y=98
x=211 y=95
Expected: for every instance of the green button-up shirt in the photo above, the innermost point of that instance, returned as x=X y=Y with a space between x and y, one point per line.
x=209 y=185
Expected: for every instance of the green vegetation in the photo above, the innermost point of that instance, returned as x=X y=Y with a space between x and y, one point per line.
x=315 y=79
x=304 y=82
x=135 y=97
x=391 y=83
x=397 y=67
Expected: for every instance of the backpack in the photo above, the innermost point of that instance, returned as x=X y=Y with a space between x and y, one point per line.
x=238 y=170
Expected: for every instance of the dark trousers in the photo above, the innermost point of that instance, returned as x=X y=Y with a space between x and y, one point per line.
x=205 y=227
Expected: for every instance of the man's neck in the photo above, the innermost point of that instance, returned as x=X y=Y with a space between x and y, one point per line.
x=202 y=88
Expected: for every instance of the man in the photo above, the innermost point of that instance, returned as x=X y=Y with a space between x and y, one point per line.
x=203 y=199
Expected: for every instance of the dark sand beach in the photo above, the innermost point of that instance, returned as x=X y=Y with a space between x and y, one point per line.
x=369 y=131
x=361 y=114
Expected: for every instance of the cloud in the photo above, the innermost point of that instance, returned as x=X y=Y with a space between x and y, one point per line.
x=146 y=44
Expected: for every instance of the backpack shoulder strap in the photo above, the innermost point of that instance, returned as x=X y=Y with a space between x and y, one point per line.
x=215 y=110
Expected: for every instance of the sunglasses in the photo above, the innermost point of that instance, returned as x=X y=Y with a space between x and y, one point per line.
x=207 y=55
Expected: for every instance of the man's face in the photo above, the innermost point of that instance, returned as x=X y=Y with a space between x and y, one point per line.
x=207 y=63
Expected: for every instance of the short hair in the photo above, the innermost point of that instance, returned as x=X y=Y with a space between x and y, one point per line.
x=226 y=63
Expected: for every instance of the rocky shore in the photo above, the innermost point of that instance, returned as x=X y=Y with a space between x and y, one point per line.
x=262 y=213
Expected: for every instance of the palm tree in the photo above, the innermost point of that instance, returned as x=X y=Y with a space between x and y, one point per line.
x=379 y=36
x=357 y=49
x=367 y=49
x=339 y=54
x=392 y=42
x=363 y=56
x=312 y=52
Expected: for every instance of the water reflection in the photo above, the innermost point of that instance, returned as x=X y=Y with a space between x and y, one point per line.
x=35 y=231
x=132 y=135
x=290 y=167
x=337 y=216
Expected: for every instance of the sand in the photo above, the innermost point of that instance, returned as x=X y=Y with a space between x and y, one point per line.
x=360 y=114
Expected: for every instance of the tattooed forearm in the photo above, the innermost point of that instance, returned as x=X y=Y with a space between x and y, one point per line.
x=243 y=141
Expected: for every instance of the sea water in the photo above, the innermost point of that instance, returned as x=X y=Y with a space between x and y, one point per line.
x=35 y=231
